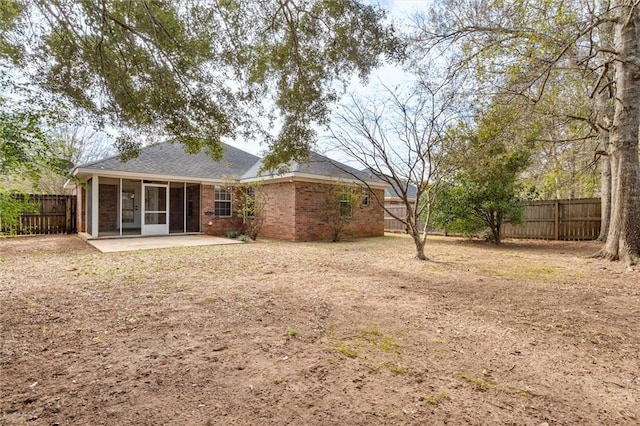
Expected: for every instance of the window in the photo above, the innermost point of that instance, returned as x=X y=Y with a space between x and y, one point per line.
x=345 y=203
x=250 y=208
x=222 y=202
x=365 y=196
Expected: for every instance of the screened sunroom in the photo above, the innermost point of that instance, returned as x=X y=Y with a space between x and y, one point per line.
x=112 y=207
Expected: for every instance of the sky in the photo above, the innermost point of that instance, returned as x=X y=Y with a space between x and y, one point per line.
x=389 y=75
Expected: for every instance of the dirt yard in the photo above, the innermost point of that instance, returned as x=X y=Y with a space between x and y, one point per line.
x=531 y=333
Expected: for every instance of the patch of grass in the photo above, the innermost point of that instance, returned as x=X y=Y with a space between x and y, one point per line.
x=435 y=399
x=379 y=340
x=292 y=332
x=131 y=319
x=395 y=368
x=371 y=333
x=480 y=383
x=524 y=392
x=440 y=354
x=388 y=345
x=346 y=351
x=530 y=271
x=381 y=413
x=372 y=344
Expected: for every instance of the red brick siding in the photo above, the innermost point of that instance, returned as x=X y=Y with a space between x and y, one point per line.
x=311 y=199
x=176 y=209
x=367 y=221
x=279 y=211
x=81 y=208
x=107 y=207
x=292 y=212
x=211 y=225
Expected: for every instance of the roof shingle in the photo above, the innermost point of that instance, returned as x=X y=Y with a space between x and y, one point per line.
x=171 y=159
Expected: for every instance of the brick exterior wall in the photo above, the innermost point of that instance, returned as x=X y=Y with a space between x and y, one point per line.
x=176 y=209
x=368 y=221
x=311 y=198
x=293 y=212
x=279 y=211
x=108 y=208
x=211 y=225
x=81 y=208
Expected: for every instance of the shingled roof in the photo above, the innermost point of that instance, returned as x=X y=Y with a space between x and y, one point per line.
x=318 y=165
x=169 y=159
x=394 y=192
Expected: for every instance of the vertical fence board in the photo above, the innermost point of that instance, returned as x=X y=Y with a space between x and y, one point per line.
x=391 y=224
x=558 y=220
x=56 y=215
x=548 y=220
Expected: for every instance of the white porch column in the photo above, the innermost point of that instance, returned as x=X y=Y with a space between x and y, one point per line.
x=119 y=203
x=95 y=213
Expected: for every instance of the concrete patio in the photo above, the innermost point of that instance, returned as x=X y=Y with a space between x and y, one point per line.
x=111 y=245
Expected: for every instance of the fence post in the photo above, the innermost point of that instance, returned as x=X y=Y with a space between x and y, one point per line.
x=556 y=228
x=67 y=215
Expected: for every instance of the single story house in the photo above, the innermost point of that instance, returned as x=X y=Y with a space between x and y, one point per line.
x=168 y=191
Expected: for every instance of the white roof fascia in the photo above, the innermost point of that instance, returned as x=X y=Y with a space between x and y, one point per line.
x=70 y=184
x=291 y=176
x=307 y=177
x=150 y=176
x=412 y=200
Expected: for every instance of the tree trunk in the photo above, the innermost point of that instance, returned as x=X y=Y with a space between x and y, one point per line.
x=497 y=227
x=420 y=242
x=419 y=239
x=605 y=196
x=623 y=239
x=604 y=118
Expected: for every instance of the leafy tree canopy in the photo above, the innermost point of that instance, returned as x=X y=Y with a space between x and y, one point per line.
x=24 y=152
x=486 y=188
x=24 y=147
x=198 y=71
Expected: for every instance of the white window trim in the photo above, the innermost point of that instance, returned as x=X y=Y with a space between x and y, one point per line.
x=216 y=200
x=250 y=197
x=365 y=196
x=345 y=198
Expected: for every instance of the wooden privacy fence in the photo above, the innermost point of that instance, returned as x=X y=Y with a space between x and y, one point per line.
x=393 y=225
x=56 y=215
x=550 y=220
x=558 y=220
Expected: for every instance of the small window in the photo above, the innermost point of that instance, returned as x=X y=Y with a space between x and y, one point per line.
x=345 y=204
x=365 y=196
x=250 y=209
x=222 y=202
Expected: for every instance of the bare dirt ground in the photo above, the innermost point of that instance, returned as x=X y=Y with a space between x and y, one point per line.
x=531 y=333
